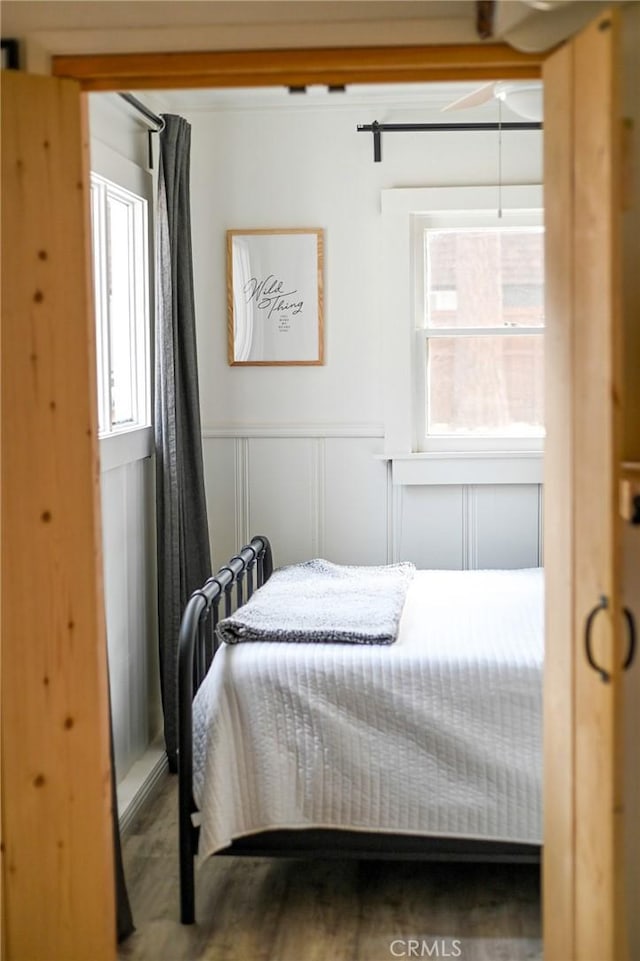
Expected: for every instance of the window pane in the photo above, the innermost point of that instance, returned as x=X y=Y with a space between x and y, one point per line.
x=97 y=297
x=121 y=315
x=485 y=277
x=490 y=385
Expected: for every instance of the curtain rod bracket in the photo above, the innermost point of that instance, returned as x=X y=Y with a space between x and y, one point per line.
x=377 y=142
x=149 y=116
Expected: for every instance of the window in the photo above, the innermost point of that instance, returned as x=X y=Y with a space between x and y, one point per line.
x=479 y=333
x=121 y=282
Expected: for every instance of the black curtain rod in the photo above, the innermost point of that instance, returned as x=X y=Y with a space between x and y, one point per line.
x=379 y=128
x=141 y=108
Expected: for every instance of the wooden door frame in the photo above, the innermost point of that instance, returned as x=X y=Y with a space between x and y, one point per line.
x=330 y=65
x=57 y=860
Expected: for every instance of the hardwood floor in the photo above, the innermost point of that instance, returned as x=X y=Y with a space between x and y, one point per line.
x=262 y=909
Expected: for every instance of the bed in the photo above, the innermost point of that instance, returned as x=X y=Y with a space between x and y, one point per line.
x=429 y=747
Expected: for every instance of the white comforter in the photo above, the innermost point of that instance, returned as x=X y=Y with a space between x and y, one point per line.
x=439 y=733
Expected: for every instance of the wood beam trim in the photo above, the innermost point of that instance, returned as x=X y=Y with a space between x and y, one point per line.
x=247 y=68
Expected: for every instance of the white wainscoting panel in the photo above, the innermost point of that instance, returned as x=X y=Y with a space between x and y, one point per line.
x=467 y=527
x=507 y=527
x=355 y=501
x=131 y=609
x=314 y=491
x=321 y=492
x=219 y=457
x=137 y=613
x=114 y=519
x=283 y=495
x=430 y=526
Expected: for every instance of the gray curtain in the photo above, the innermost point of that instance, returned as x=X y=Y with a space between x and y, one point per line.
x=184 y=560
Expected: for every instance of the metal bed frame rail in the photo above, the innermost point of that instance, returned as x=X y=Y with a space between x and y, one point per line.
x=197 y=645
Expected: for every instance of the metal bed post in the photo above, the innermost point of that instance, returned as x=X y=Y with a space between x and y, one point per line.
x=193 y=665
x=188 y=834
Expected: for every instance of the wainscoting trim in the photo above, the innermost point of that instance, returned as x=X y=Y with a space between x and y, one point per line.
x=469 y=529
x=150 y=772
x=318 y=494
x=243 y=518
x=541 y=525
x=296 y=430
x=486 y=467
x=391 y=518
x=397 y=497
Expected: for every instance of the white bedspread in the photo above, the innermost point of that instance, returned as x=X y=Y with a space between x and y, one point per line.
x=439 y=733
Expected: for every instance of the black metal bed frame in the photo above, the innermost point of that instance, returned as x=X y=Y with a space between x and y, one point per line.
x=197 y=648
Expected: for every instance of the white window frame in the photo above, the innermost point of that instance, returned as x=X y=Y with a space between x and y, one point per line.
x=399 y=207
x=102 y=191
x=424 y=442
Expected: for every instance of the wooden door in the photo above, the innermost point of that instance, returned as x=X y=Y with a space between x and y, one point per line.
x=583 y=901
x=57 y=871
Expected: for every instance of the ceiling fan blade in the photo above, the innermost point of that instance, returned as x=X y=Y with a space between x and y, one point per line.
x=483 y=94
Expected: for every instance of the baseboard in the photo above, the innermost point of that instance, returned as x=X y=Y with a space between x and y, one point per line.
x=140 y=785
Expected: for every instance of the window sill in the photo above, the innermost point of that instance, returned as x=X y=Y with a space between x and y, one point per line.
x=125 y=447
x=466 y=467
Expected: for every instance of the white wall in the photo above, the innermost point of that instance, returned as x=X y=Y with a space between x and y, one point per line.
x=290 y=451
x=119 y=151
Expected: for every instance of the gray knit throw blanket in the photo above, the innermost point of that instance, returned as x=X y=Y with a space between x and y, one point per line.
x=323 y=602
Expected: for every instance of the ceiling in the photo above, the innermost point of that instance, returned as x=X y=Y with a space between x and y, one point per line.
x=137 y=26
x=20 y=16
x=431 y=97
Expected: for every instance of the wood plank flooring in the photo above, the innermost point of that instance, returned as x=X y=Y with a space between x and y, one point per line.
x=263 y=909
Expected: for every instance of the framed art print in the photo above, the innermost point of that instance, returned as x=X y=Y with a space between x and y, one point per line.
x=274 y=296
